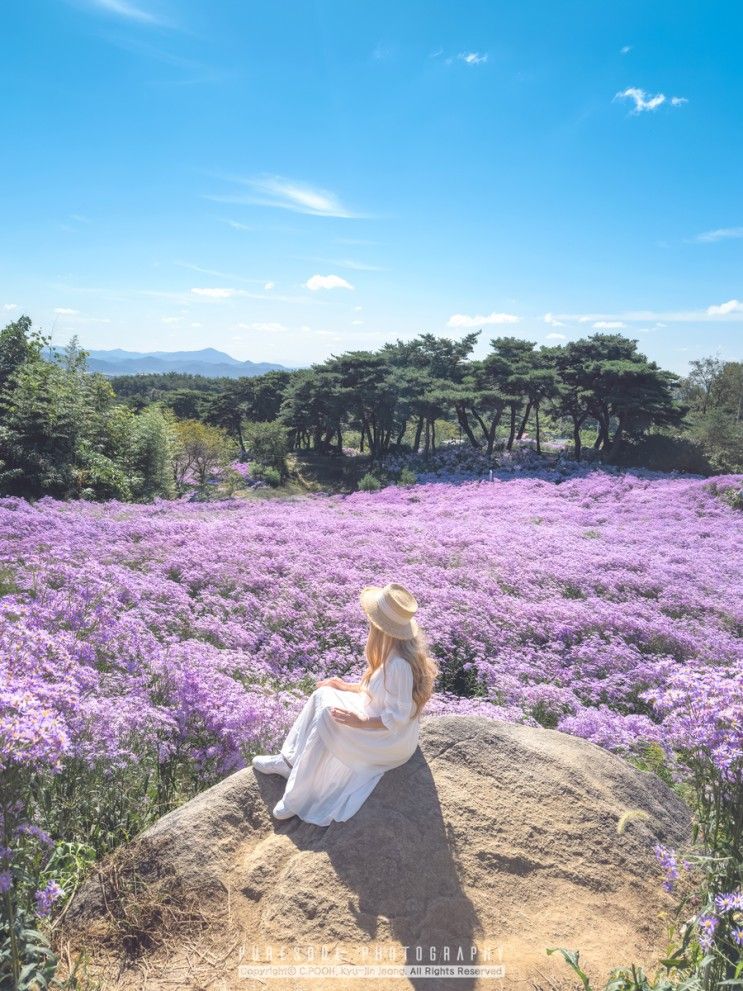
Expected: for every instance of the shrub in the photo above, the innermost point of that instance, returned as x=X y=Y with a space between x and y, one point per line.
x=407 y=477
x=268 y=445
x=265 y=473
x=369 y=483
x=664 y=452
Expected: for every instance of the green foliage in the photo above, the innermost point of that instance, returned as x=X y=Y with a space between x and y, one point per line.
x=265 y=473
x=369 y=483
x=149 y=458
x=198 y=452
x=268 y=445
x=668 y=452
x=407 y=477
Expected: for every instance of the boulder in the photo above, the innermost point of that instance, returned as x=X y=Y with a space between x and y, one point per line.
x=500 y=836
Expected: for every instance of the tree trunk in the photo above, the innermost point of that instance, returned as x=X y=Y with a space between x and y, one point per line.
x=512 y=432
x=522 y=428
x=485 y=430
x=418 y=432
x=465 y=425
x=536 y=417
x=427 y=441
x=490 y=434
x=240 y=436
x=433 y=436
x=577 y=443
x=340 y=441
x=617 y=441
x=401 y=433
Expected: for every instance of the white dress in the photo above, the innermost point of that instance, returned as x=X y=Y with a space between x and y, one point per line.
x=335 y=767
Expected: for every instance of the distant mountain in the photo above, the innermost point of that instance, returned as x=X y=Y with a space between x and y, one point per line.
x=208 y=361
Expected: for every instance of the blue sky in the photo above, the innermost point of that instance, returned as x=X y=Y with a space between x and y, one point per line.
x=288 y=180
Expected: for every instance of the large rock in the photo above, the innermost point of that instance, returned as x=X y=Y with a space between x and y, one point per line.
x=491 y=834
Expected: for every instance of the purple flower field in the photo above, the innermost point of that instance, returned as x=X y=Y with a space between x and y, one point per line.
x=609 y=606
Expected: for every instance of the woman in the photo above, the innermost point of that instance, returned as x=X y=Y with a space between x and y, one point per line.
x=347 y=735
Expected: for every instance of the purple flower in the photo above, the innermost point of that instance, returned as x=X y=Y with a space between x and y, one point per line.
x=706 y=927
x=6 y=881
x=732 y=902
x=46 y=898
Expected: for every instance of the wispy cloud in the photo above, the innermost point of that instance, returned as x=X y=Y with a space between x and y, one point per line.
x=122 y=8
x=473 y=58
x=721 y=234
x=625 y=49
x=732 y=311
x=552 y=320
x=227 y=276
x=555 y=337
x=216 y=292
x=65 y=311
x=237 y=226
x=644 y=102
x=316 y=282
x=724 y=309
x=9 y=307
x=480 y=320
x=288 y=194
x=349 y=263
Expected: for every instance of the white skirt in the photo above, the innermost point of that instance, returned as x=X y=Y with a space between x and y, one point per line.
x=336 y=767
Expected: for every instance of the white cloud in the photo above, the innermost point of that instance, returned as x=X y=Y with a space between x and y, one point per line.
x=10 y=306
x=732 y=306
x=216 y=293
x=316 y=282
x=552 y=320
x=357 y=323
x=171 y=320
x=268 y=286
x=289 y=194
x=127 y=10
x=644 y=101
x=479 y=320
x=609 y=325
x=625 y=49
x=473 y=58
x=555 y=337
x=65 y=311
x=721 y=234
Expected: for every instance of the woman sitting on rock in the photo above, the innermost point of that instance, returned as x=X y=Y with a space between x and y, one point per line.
x=347 y=735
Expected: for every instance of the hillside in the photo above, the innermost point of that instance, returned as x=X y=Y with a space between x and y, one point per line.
x=207 y=361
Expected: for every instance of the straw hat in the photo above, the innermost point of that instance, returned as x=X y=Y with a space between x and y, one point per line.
x=391 y=609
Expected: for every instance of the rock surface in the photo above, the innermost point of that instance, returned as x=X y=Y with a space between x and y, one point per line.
x=496 y=835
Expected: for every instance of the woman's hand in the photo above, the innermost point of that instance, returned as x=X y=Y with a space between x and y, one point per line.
x=353 y=719
x=348 y=718
x=338 y=683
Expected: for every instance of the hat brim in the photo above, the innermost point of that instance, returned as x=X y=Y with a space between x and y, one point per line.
x=369 y=600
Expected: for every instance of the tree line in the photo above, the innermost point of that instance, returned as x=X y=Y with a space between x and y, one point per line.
x=67 y=432
x=405 y=389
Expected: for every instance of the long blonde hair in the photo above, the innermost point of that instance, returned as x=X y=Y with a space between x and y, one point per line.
x=380 y=645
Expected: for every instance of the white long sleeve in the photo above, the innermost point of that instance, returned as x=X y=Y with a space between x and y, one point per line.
x=398 y=694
